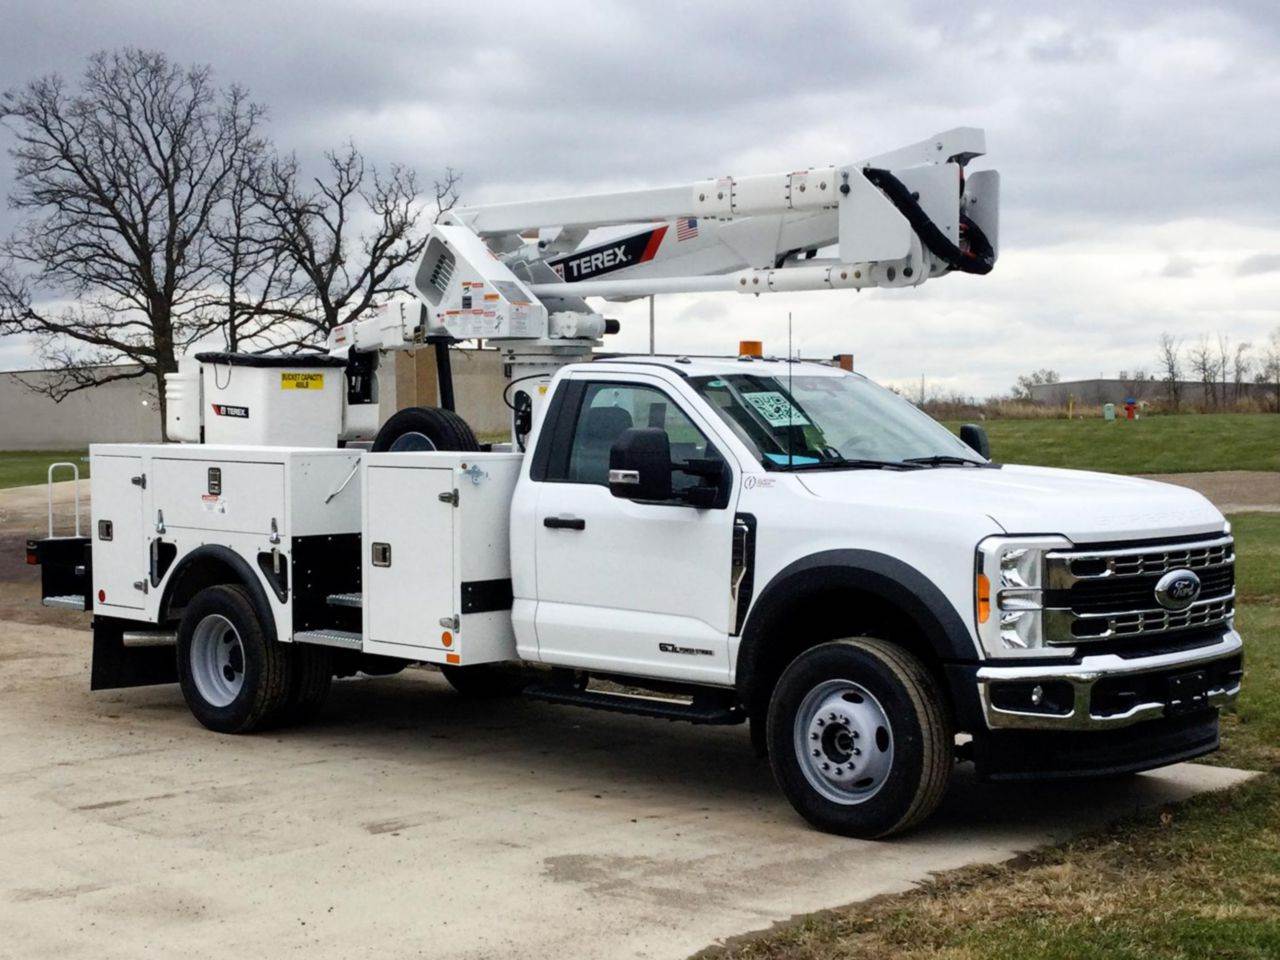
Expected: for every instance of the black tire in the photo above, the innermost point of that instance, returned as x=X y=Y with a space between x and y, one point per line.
x=265 y=667
x=425 y=428
x=915 y=765
x=309 y=685
x=487 y=681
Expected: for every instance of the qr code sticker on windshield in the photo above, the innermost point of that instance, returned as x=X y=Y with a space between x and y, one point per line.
x=776 y=409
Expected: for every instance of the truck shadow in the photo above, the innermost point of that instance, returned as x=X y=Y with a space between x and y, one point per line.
x=542 y=752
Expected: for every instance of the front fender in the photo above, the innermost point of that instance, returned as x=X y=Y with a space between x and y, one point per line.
x=896 y=583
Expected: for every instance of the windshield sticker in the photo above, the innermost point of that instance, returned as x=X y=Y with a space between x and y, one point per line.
x=776 y=409
x=783 y=458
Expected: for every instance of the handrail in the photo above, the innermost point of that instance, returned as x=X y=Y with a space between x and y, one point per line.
x=75 y=470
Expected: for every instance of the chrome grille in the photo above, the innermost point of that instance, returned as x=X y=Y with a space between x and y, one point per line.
x=1189 y=558
x=1094 y=595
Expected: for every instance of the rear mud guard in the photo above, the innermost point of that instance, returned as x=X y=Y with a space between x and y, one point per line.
x=116 y=666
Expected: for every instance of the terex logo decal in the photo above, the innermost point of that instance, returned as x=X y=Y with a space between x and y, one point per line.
x=608 y=257
x=227 y=410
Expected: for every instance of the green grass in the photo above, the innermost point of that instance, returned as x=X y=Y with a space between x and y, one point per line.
x=21 y=468
x=1185 y=443
x=1199 y=879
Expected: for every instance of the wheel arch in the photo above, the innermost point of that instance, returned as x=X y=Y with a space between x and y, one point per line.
x=209 y=565
x=808 y=602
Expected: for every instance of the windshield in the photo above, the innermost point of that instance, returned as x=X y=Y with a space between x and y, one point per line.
x=804 y=421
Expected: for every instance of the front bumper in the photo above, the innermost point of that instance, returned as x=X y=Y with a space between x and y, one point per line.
x=1107 y=691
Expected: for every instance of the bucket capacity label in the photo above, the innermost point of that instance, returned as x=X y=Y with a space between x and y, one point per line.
x=302 y=381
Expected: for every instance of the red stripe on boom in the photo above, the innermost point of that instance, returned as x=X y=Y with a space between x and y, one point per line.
x=651 y=248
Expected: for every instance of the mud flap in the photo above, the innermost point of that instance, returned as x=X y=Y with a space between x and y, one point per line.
x=116 y=666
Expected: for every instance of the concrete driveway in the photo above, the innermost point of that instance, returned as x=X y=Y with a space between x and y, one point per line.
x=411 y=823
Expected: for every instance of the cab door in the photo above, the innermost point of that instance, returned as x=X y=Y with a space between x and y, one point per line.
x=626 y=586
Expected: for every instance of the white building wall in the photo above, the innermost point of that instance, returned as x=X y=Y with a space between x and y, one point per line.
x=119 y=412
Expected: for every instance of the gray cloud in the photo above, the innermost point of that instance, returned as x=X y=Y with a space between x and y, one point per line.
x=1111 y=123
x=1258 y=263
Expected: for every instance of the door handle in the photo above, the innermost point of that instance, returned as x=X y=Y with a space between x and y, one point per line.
x=564 y=523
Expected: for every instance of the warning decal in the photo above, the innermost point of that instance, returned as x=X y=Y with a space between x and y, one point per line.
x=302 y=381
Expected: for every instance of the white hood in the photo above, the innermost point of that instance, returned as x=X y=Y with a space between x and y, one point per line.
x=1080 y=505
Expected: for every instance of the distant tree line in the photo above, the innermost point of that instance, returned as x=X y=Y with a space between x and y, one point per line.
x=1223 y=370
x=158 y=214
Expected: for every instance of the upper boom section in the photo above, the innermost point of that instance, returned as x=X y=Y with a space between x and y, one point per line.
x=518 y=271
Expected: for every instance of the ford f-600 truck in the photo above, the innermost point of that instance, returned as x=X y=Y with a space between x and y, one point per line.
x=716 y=540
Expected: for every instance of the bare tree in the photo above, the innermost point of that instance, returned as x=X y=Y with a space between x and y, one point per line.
x=258 y=291
x=1240 y=367
x=1022 y=388
x=1204 y=364
x=121 y=180
x=1136 y=383
x=1171 y=369
x=1269 y=368
x=1223 y=374
x=347 y=270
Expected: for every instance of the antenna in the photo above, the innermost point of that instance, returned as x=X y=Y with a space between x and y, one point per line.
x=791 y=400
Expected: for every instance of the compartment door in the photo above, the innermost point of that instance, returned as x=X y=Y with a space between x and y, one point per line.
x=408 y=556
x=120 y=561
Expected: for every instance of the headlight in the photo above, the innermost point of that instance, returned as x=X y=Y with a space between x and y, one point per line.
x=1008 y=595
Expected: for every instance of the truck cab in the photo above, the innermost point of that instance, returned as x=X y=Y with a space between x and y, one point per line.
x=714 y=521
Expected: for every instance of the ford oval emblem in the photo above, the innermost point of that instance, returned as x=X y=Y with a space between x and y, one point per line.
x=1177 y=589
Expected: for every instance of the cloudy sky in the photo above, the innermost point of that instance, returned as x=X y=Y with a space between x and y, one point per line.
x=1139 y=143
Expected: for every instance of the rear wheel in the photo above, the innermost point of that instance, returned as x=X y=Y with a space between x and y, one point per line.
x=424 y=428
x=233 y=676
x=859 y=739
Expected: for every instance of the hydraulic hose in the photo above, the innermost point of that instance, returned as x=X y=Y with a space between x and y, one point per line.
x=975 y=257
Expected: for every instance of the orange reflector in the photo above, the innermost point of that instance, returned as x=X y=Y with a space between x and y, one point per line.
x=446 y=638
x=750 y=348
x=983 y=590
x=452 y=658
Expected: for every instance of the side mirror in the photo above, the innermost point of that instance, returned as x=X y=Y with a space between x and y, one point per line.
x=976 y=438
x=640 y=465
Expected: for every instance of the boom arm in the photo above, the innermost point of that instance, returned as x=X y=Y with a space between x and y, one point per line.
x=517 y=273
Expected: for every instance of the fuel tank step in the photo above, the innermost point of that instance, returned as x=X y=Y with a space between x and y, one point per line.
x=709 y=711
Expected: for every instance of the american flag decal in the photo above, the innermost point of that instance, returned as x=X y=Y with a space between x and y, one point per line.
x=686 y=228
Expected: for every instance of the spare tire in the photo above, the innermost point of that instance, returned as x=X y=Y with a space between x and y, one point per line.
x=424 y=428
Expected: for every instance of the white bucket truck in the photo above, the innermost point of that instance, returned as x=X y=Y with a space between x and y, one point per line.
x=747 y=539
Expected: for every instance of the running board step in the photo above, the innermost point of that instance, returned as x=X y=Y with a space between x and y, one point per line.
x=69 y=602
x=345 y=600
x=696 y=712
x=344 y=639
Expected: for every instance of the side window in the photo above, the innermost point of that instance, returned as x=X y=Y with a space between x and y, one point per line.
x=610 y=408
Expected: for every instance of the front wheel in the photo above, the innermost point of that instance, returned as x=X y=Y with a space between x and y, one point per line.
x=859 y=738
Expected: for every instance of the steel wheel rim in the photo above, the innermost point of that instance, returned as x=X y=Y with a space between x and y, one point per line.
x=217 y=660
x=843 y=742
x=412 y=441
